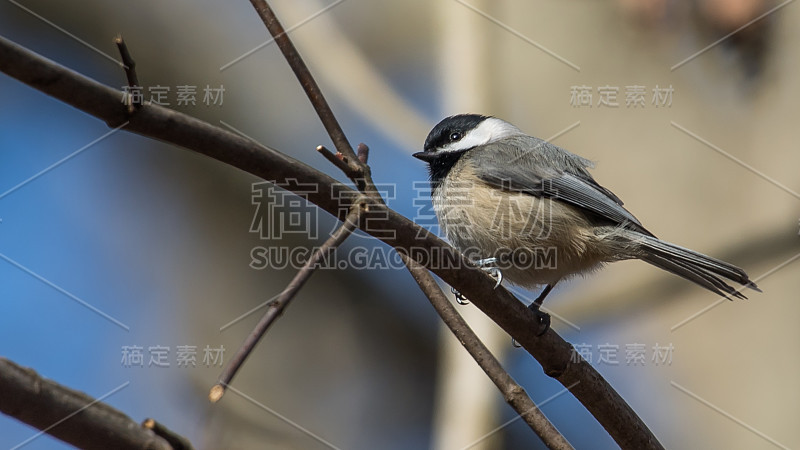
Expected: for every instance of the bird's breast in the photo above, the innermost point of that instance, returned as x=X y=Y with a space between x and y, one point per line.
x=536 y=240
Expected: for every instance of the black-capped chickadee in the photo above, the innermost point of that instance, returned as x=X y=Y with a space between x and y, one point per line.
x=533 y=210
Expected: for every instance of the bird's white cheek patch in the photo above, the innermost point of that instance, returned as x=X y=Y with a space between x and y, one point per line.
x=488 y=131
x=472 y=139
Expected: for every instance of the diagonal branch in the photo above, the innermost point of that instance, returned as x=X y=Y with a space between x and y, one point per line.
x=310 y=86
x=357 y=170
x=554 y=354
x=513 y=393
x=69 y=415
x=277 y=307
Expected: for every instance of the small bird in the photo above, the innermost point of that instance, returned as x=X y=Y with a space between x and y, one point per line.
x=533 y=211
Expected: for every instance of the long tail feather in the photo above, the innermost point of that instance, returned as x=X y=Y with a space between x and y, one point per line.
x=697 y=267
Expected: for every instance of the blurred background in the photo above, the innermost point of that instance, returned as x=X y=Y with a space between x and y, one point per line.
x=114 y=245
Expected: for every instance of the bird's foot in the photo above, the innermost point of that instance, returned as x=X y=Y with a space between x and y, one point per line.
x=487 y=266
x=543 y=320
x=460 y=299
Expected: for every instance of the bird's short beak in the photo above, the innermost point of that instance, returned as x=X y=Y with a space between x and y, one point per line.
x=425 y=156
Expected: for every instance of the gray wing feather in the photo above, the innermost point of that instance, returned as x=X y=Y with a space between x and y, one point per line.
x=549 y=171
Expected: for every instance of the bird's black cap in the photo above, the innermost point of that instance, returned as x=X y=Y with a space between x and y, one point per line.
x=441 y=134
x=449 y=130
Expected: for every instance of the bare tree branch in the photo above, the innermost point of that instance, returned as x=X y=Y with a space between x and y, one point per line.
x=130 y=73
x=127 y=60
x=310 y=86
x=338 y=160
x=554 y=354
x=513 y=393
x=277 y=307
x=69 y=415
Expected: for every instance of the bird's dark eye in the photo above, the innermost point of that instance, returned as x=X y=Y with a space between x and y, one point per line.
x=455 y=136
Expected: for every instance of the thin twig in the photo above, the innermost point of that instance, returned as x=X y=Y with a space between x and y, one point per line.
x=513 y=393
x=69 y=415
x=130 y=72
x=277 y=307
x=556 y=356
x=127 y=60
x=307 y=81
x=337 y=160
x=174 y=439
